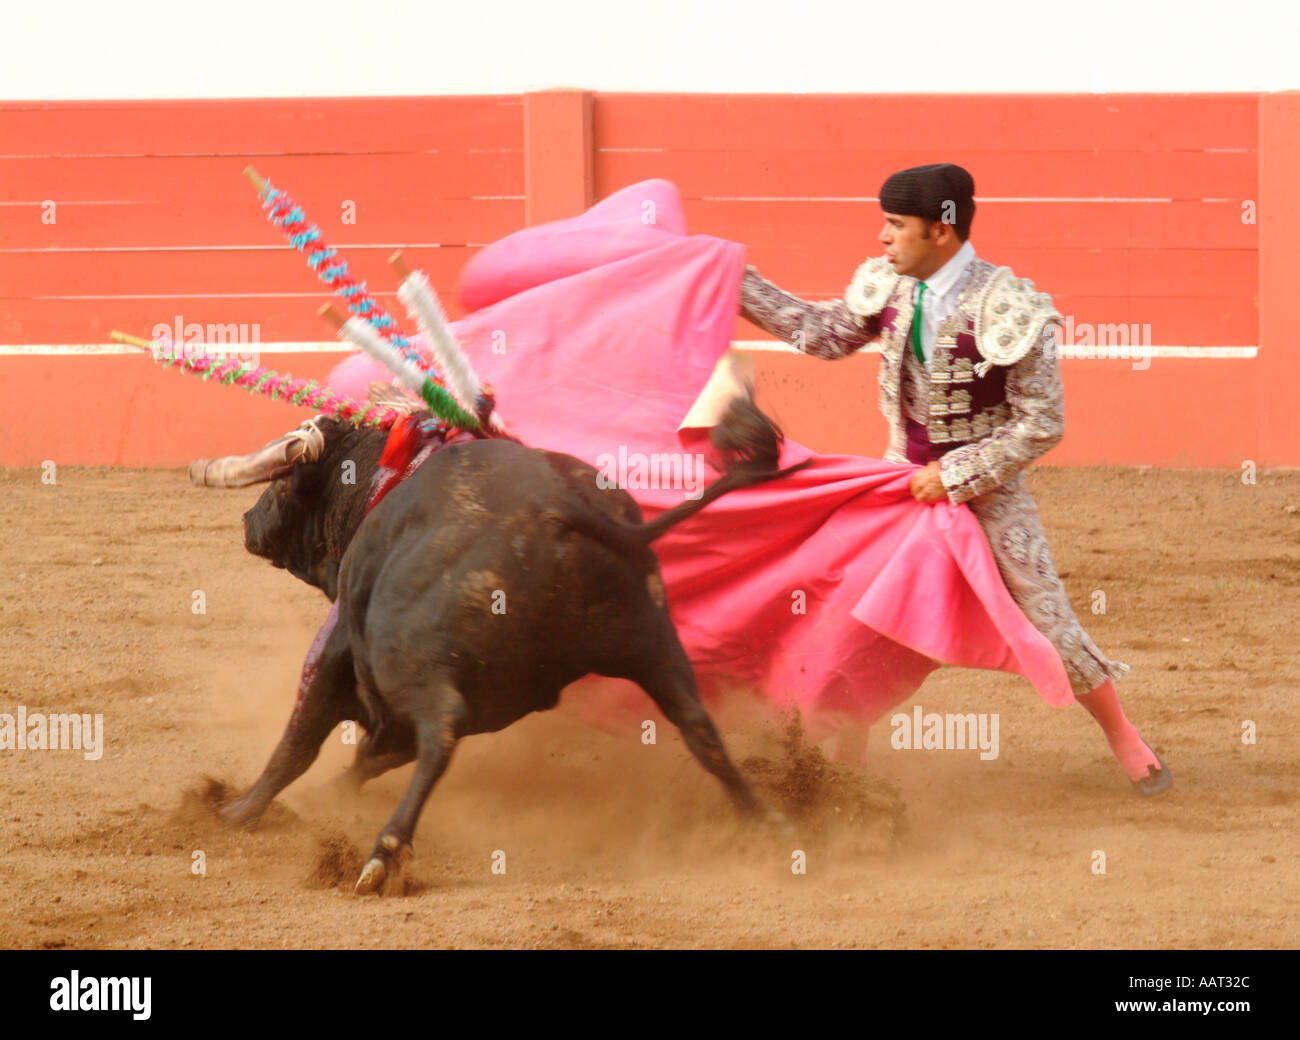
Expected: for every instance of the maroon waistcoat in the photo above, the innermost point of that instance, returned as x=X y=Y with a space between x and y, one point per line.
x=964 y=406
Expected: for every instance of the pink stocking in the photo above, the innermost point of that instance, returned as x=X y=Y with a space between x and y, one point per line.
x=1125 y=743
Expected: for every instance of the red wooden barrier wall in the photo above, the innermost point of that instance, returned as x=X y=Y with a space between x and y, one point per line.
x=1128 y=209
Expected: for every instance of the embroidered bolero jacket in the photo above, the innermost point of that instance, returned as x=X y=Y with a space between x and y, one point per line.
x=996 y=401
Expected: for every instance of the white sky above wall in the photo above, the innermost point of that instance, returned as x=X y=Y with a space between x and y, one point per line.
x=281 y=48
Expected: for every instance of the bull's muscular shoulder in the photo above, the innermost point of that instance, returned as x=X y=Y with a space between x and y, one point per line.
x=1010 y=316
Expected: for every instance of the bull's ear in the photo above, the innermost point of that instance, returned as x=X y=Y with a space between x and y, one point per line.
x=385 y=395
x=304 y=444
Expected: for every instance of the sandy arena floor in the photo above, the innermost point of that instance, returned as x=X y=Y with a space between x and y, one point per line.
x=612 y=843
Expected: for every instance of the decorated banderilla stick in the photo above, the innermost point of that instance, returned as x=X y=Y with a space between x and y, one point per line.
x=285 y=213
x=307 y=393
x=423 y=306
x=362 y=335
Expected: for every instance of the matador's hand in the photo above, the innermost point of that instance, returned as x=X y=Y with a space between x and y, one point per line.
x=927 y=484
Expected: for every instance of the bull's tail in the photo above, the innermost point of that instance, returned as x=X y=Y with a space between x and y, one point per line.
x=748 y=444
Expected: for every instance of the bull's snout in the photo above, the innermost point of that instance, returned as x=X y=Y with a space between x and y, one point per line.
x=253 y=540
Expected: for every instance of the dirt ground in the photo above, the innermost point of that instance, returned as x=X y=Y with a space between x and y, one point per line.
x=609 y=842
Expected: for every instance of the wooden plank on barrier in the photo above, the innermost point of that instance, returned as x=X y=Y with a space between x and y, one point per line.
x=157 y=417
x=274 y=269
x=1279 y=361
x=291 y=318
x=261 y=126
x=783 y=172
x=1059 y=225
x=1051 y=122
x=423 y=177
x=236 y=220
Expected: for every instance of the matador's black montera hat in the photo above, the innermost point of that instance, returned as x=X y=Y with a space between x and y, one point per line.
x=922 y=192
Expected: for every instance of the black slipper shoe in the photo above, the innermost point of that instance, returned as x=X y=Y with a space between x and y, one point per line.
x=1156 y=780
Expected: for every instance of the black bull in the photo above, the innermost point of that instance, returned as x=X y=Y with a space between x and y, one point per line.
x=472 y=595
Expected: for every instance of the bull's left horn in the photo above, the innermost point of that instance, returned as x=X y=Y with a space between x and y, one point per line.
x=267 y=463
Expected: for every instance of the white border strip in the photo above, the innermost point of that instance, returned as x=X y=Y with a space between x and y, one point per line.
x=228 y=247
x=978 y=198
x=1118 y=353
x=101 y=349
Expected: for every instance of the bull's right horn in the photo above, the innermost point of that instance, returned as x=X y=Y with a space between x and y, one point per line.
x=267 y=463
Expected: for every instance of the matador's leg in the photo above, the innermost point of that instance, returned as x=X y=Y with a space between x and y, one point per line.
x=1009 y=517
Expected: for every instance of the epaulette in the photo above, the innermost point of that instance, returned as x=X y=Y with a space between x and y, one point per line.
x=1009 y=318
x=870 y=287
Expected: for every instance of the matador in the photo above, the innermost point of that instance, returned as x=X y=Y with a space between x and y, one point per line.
x=970 y=385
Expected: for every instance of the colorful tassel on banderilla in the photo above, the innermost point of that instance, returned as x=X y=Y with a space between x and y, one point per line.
x=306 y=393
x=388 y=344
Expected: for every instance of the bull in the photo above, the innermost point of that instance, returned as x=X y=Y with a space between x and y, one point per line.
x=470 y=596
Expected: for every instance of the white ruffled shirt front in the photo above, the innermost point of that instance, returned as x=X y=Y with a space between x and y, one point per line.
x=941 y=291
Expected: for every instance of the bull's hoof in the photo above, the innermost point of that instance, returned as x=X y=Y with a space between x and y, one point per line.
x=238 y=813
x=384 y=867
x=372 y=877
x=1155 y=781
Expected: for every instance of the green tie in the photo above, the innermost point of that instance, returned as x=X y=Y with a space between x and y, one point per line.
x=916 y=326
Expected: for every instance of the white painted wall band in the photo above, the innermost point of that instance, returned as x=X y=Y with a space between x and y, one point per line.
x=1119 y=353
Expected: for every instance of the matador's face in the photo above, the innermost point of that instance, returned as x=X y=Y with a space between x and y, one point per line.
x=911 y=245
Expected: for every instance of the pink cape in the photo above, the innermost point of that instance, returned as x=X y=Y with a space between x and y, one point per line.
x=833 y=588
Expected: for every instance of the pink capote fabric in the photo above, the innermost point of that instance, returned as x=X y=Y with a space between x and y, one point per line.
x=597 y=334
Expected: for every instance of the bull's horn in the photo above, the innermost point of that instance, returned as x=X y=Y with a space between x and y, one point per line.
x=274 y=460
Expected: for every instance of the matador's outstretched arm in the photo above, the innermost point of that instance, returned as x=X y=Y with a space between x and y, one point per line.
x=826 y=330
